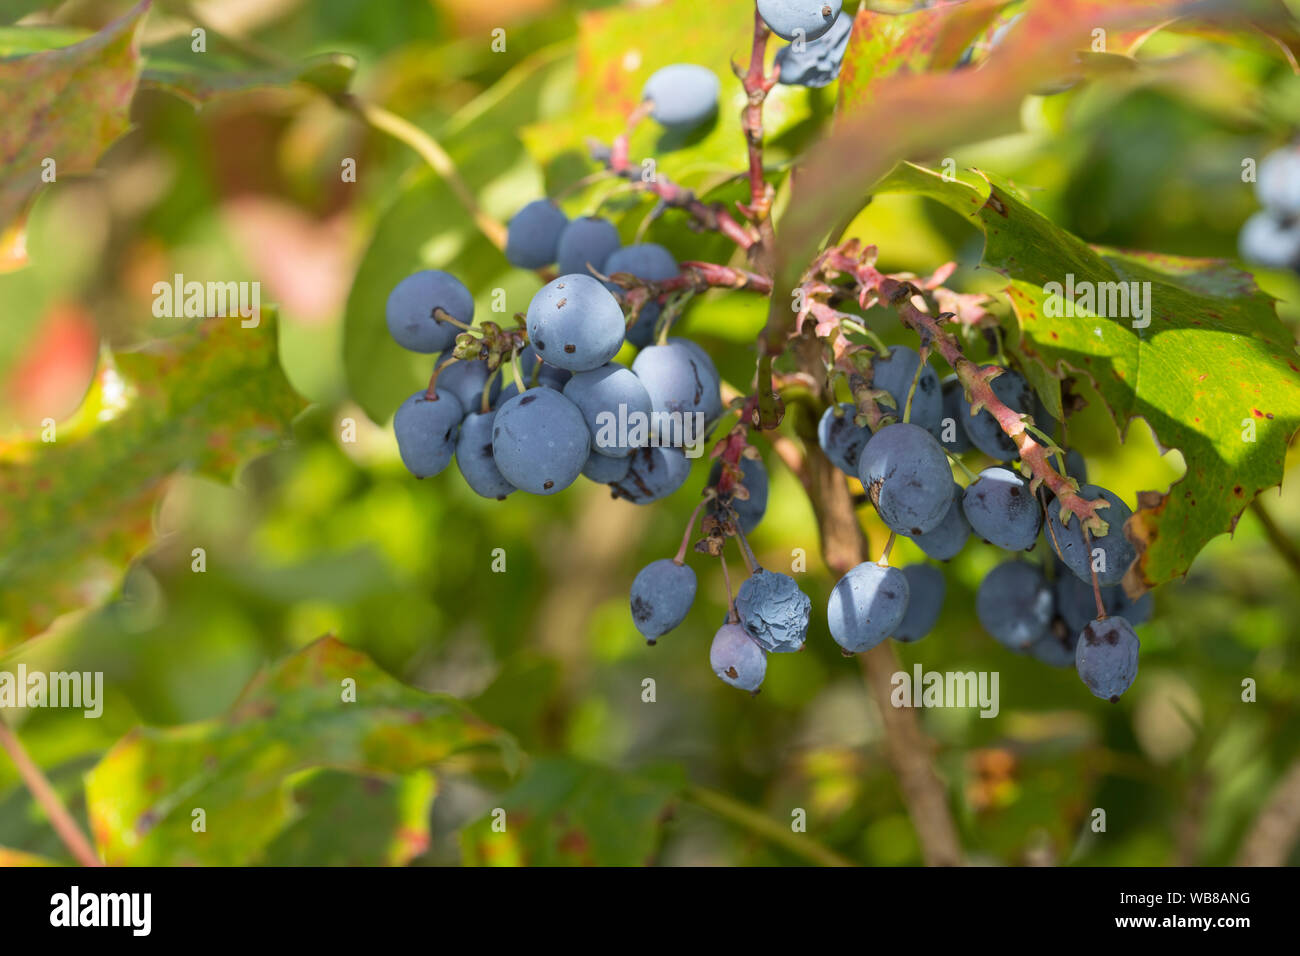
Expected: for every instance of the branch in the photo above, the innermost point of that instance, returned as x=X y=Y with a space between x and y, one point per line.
x=764 y=826
x=711 y=216
x=878 y=288
x=1276 y=536
x=1271 y=839
x=761 y=194
x=844 y=546
x=64 y=825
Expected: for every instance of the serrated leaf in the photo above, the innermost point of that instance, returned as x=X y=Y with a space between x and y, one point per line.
x=331 y=73
x=568 y=813
x=141 y=796
x=1215 y=373
x=74 y=511
x=920 y=114
x=68 y=105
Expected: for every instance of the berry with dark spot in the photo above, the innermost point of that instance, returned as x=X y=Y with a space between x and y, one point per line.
x=1106 y=657
x=426 y=430
x=737 y=659
x=1002 y=511
x=662 y=594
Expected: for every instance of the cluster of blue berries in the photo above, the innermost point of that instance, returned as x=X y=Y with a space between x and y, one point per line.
x=1271 y=237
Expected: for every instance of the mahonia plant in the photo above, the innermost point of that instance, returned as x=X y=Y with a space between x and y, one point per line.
x=534 y=407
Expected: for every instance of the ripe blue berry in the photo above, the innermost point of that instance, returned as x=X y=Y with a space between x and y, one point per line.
x=411 y=305
x=653 y=263
x=945 y=541
x=894 y=374
x=426 y=432
x=1114 y=551
x=799 y=19
x=907 y=477
x=476 y=461
x=1106 y=657
x=610 y=397
x=540 y=441
x=662 y=594
x=654 y=474
x=604 y=470
x=1014 y=604
x=575 y=324
x=925 y=591
x=866 y=606
x=737 y=659
x=1001 y=510
x=586 y=242
x=682 y=95
x=841 y=438
x=533 y=234
x=983 y=429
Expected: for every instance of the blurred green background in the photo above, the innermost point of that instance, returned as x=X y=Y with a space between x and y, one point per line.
x=333 y=536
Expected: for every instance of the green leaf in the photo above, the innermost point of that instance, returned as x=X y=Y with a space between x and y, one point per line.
x=349 y=820
x=331 y=73
x=68 y=105
x=240 y=770
x=565 y=813
x=75 y=510
x=1214 y=374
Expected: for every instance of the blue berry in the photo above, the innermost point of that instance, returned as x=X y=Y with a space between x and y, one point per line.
x=841 y=438
x=774 y=611
x=465 y=379
x=574 y=323
x=1014 y=604
x=549 y=376
x=588 y=241
x=1002 y=511
x=1278 y=182
x=679 y=381
x=907 y=477
x=426 y=432
x=945 y=541
x=1106 y=657
x=611 y=397
x=653 y=263
x=654 y=474
x=925 y=591
x=866 y=606
x=411 y=305
x=737 y=659
x=818 y=63
x=533 y=234
x=1077 y=605
x=952 y=430
x=475 y=459
x=1117 y=553
x=604 y=470
x=983 y=429
x=894 y=374
x=683 y=95
x=799 y=19
x=540 y=441
x=662 y=594
x=1056 y=648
